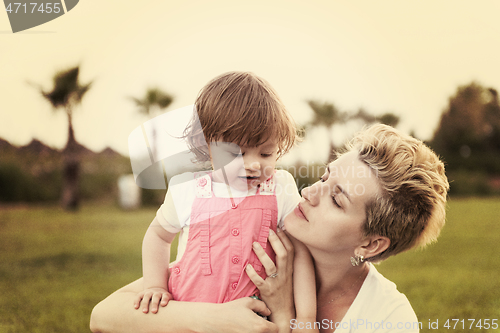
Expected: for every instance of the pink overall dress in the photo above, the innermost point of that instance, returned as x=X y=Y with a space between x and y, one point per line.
x=219 y=246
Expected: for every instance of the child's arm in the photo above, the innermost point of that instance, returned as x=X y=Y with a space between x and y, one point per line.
x=155 y=261
x=304 y=287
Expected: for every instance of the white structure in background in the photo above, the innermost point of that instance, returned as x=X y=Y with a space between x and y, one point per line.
x=171 y=155
x=129 y=192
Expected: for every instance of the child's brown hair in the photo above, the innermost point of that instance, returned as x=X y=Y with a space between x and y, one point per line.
x=241 y=108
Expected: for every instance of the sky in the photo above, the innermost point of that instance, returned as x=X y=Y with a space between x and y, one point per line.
x=404 y=57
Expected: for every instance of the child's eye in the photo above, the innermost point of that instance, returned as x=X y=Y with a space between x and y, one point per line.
x=266 y=155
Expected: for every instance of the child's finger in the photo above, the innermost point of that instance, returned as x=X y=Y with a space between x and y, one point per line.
x=154 y=302
x=145 y=302
x=137 y=300
x=264 y=259
x=165 y=298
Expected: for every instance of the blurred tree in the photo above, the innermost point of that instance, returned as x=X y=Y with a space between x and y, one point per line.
x=327 y=115
x=492 y=117
x=364 y=116
x=153 y=101
x=387 y=118
x=66 y=94
x=468 y=134
x=151 y=105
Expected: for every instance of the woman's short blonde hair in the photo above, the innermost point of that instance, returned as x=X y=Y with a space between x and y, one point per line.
x=410 y=210
x=241 y=108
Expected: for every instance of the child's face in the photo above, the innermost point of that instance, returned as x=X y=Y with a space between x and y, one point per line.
x=245 y=167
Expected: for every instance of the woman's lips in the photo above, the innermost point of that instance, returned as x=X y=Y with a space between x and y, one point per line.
x=299 y=213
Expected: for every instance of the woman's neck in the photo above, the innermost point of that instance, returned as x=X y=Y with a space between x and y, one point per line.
x=336 y=276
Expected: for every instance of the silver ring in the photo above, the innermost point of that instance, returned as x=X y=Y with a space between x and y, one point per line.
x=273 y=275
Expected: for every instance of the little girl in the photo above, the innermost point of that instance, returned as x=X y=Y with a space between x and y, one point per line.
x=221 y=213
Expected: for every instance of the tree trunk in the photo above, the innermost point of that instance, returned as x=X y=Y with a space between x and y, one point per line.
x=70 y=199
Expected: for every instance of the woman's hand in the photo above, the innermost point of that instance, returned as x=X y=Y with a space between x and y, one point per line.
x=277 y=289
x=238 y=316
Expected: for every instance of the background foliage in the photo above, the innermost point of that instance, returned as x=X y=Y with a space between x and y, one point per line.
x=468 y=139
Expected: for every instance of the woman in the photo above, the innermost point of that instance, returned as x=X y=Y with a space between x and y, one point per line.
x=385 y=195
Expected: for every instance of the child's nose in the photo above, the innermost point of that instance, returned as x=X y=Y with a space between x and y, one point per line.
x=252 y=165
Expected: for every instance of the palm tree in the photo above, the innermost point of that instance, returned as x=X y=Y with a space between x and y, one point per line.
x=387 y=118
x=66 y=94
x=151 y=104
x=326 y=114
x=153 y=100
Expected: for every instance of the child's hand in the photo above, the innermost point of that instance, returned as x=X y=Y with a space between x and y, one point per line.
x=155 y=296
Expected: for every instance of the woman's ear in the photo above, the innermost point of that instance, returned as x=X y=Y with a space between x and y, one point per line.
x=374 y=245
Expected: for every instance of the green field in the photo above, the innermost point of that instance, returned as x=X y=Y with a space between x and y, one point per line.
x=55 y=266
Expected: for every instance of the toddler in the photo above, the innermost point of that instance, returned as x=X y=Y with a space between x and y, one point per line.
x=221 y=213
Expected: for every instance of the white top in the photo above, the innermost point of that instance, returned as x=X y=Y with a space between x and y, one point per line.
x=175 y=213
x=379 y=307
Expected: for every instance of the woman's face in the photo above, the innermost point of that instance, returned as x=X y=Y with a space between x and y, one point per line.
x=332 y=211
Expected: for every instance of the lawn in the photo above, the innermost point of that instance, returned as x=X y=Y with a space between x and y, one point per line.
x=55 y=266
x=457 y=277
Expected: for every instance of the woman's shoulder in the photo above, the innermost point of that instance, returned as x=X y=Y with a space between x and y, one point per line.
x=379 y=301
x=386 y=291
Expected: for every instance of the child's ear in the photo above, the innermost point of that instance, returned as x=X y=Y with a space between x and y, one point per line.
x=374 y=245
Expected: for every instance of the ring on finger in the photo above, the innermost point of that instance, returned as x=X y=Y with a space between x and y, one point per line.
x=273 y=275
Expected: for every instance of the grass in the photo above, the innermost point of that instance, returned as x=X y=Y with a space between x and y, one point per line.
x=55 y=266
x=457 y=277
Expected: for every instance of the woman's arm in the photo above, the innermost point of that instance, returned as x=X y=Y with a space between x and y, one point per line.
x=116 y=314
x=304 y=286
x=277 y=289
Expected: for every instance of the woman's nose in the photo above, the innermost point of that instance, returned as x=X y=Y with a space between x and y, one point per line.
x=310 y=193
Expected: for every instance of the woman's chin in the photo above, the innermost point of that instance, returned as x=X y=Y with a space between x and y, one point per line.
x=285 y=224
x=291 y=226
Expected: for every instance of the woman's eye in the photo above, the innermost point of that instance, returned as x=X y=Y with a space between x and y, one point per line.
x=266 y=155
x=334 y=198
x=324 y=178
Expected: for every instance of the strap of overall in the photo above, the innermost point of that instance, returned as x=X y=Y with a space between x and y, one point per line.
x=266 y=188
x=204 y=190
